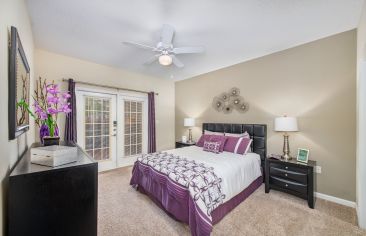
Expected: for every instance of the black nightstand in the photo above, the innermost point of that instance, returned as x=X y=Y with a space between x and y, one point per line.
x=292 y=177
x=180 y=144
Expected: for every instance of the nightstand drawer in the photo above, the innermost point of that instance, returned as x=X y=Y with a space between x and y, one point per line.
x=300 y=188
x=284 y=166
x=289 y=175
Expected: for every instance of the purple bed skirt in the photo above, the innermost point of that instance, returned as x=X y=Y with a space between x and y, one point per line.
x=177 y=202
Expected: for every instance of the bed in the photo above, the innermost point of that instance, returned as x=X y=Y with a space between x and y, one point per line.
x=199 y=188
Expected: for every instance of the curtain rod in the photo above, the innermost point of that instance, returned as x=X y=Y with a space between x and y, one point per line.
x=111 y=87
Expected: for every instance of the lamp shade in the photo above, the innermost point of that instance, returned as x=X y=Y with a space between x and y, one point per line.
x=189 y=122
x=285 y=124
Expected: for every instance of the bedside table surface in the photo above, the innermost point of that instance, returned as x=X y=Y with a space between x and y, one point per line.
x=185 y=143
x=180 y=144
x=293 y=162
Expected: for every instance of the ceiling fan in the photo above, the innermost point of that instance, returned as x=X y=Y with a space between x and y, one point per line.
x=165 y=51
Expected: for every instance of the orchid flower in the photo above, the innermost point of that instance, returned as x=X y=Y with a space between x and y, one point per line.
x=52 y=100
x=48 y=102
x=52 y=89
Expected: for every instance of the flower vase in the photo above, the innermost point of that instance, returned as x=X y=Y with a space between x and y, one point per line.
x=45 y=137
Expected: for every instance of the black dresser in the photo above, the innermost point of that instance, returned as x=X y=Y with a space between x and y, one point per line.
x=292 y=177
x=53 y=201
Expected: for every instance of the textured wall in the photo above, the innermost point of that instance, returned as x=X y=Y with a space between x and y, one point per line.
x=315 y=82
x=12 y=13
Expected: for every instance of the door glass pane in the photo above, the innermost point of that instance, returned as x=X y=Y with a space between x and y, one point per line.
x=97 y=127
x=133 y=127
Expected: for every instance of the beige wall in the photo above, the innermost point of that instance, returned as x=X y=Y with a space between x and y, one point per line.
x=361 y=119
x=315 y=82
x=53 y=66
x=12 y=13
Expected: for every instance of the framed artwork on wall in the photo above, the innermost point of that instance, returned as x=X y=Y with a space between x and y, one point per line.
x=19 y=87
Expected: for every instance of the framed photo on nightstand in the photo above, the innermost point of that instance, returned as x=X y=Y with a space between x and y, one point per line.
x=303 y=155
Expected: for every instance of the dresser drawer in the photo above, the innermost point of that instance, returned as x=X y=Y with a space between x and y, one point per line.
x=284 y=166
x=285 y=184
x=289 y=175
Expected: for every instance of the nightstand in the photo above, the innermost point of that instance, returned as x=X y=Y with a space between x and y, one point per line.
x=180 y=144
x=292 y=177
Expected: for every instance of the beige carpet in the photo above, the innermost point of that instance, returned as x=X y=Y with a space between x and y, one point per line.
x=124 y=211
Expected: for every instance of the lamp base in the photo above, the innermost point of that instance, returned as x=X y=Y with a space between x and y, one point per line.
x=190 y=140
x=286 y=148
x=286 y=157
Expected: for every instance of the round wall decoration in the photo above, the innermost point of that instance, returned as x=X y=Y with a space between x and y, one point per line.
x=218 y=104
x=226 y=102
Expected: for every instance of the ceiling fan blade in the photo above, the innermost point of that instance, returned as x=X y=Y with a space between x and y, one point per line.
x=167 y=34
x=139 y=45
x=183 y=50
x=177 y=62
x=152 y=59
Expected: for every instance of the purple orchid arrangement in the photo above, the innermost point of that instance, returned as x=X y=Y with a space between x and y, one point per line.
x=49 y=101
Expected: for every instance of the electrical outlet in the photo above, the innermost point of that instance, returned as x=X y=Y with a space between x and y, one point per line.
x=318 y=169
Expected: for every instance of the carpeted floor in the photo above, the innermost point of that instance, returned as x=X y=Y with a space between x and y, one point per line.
x=124 y=211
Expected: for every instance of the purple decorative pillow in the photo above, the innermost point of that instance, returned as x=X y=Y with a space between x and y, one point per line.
x=211 y=146
x=212 y=138
x=218 y=138
x=202 y=139
x=239 y=145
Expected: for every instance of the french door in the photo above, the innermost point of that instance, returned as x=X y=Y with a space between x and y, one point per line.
x=112 y=126
x=96 y=124
x=132 y=135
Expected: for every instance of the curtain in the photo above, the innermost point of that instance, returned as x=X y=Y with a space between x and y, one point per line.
x=151 y=123
x=70 y=126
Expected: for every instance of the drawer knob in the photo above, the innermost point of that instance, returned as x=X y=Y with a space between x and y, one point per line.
x=285 y=174
x=286 y=185
x=286 y=167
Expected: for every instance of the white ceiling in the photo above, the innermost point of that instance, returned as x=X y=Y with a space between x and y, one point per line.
x=231 y=31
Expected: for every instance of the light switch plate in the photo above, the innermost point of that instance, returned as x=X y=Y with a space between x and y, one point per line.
x=318 y=169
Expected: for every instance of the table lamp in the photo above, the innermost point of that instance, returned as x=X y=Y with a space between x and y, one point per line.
x=189 y=122
x=286 y=124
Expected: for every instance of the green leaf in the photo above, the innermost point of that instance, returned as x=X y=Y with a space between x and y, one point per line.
x=22 y=103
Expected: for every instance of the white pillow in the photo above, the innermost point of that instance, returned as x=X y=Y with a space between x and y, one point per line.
x=212 y=133
x=245 y=134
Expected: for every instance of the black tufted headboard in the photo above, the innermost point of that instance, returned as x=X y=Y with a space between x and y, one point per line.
x=257 y=132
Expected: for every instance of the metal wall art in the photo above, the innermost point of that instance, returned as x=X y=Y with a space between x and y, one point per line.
x=229 y=101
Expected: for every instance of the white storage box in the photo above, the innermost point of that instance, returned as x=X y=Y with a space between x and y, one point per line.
x=53 y=155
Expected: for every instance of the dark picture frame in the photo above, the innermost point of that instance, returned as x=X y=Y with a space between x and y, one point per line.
x=19 y=87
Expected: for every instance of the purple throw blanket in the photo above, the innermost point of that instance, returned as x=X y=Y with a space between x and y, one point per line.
x=201 y=181
x=181 y=175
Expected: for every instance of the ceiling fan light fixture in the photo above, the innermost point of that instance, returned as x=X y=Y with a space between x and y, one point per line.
x=165 y=60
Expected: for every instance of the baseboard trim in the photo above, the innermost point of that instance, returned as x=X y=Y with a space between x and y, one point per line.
x=335 y=199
